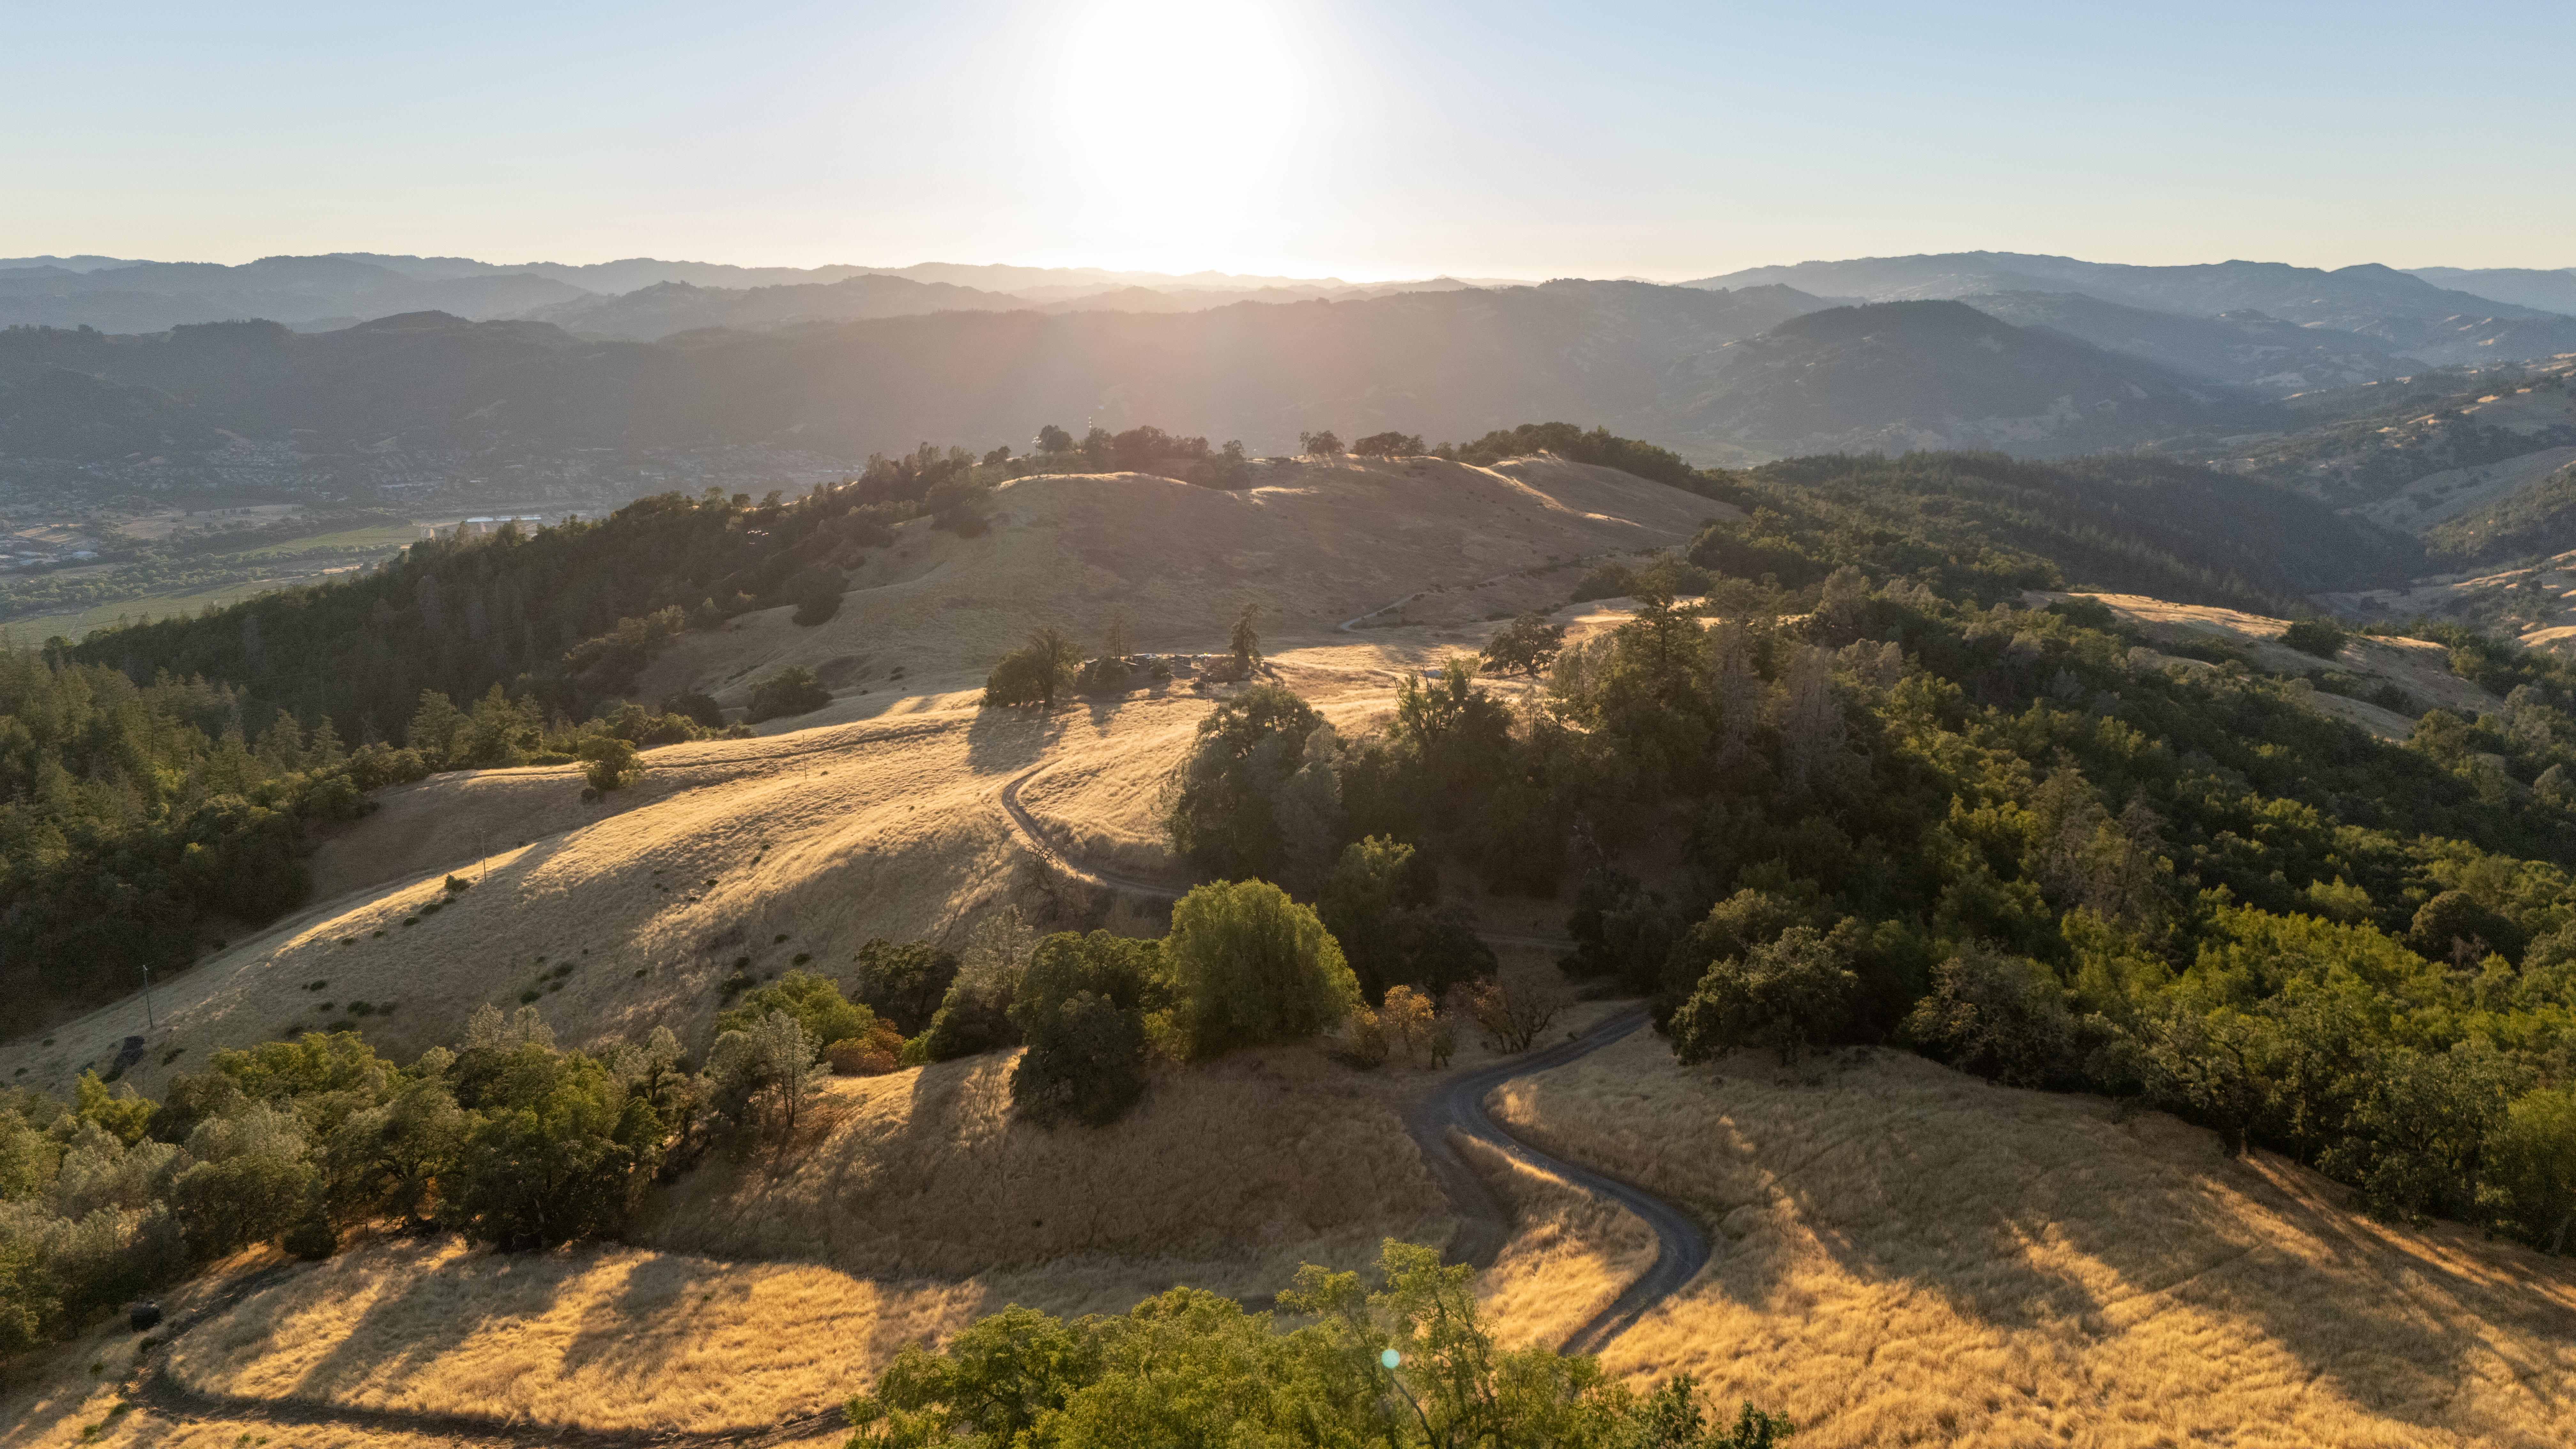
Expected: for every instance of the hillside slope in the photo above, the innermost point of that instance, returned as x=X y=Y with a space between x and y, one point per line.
x=1896 y=376
x=2405 y=314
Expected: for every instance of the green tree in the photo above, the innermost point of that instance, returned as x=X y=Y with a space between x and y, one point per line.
x=903 y=982
x=1384 y=445
x=1036 y=672
x=791 y=691
x=1526 y=645
x=1081 y=1007
x=437 y=726
x=609 y=763
x=1248 y=967
x=2531 y=1157
x=761 y=1076
x=1324 y=443
x=1245 y=641
x=1223 y=803
x=1998 y=1016
x=558 y=1150
x=1784 y=995
x=814 y=1001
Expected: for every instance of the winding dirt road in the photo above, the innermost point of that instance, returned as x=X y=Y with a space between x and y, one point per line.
x=1456 y=1106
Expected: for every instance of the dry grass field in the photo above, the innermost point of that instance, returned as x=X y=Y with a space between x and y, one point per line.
x=1314 y=544
x=1233 y=1172
x=877 y=816
x=2418 y=667
x=1903 y=1255
x=1907 y=1255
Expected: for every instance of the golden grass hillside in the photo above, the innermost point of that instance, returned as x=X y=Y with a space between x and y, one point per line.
x=824 y=837
x=1238 y=1170
x=1906 y=1255
x=2420 y=668
x=1316 y=544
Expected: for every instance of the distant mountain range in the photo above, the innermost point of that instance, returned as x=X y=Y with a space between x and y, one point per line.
x=525 y=375
x=323 y=293
x=2396 y=311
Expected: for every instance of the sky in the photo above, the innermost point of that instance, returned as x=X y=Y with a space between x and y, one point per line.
x=1364 y=141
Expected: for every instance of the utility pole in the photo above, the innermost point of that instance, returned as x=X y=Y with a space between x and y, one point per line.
x=148 y=1023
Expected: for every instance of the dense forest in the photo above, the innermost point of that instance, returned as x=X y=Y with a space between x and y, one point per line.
x=1919 y=813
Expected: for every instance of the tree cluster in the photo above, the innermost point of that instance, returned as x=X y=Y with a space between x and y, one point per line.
x=1408 y=1364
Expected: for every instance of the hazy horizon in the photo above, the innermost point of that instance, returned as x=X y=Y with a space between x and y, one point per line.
x=1370 y=144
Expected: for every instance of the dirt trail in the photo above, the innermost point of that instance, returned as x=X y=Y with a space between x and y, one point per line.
x=1458 y=1106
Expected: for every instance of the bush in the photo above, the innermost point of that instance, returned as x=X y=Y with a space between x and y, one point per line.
x=1081 y=1006
x=791 y=691
x=1784 y=995
x=1248 y=967
x=817 y=608
x=2323 y=638
x=873 y=1055
x=1998 y=1016
x=903 y=983
x=1512 y=1014
x=609 y=763
x=1036 y=672
x=814 y=1001
x=697 y=707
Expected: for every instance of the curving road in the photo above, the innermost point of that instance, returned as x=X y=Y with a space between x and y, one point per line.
x=1458 y=1104
x=1455 y=1105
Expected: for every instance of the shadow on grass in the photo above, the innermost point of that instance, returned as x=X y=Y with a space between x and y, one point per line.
x=1000 y=741
x=2029 y=1214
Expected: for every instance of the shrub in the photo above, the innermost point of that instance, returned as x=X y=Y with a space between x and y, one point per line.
x=873 y=1055
x=697 y=707
x=609 y=763
x=2323 y=638
x=903 y=983
x=1248 y=966
x=1081 y=1007
x=1998 y=1016
x=1526 y=645
x=1036 y=672
x=1512 y=1014
x=814 y=1001
x=1784 y=995
x=817 y=608
x=791 y=691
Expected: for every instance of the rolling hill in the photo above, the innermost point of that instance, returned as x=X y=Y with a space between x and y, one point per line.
x=2402 y=313
x=1895 y=376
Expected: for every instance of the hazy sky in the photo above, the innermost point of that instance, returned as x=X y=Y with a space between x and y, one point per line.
x=1366 y=141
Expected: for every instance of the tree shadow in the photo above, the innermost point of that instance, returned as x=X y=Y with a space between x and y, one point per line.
x=2031 y=1212
x=999 y=741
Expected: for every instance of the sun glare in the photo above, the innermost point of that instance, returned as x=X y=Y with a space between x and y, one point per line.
x=1190 y=92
